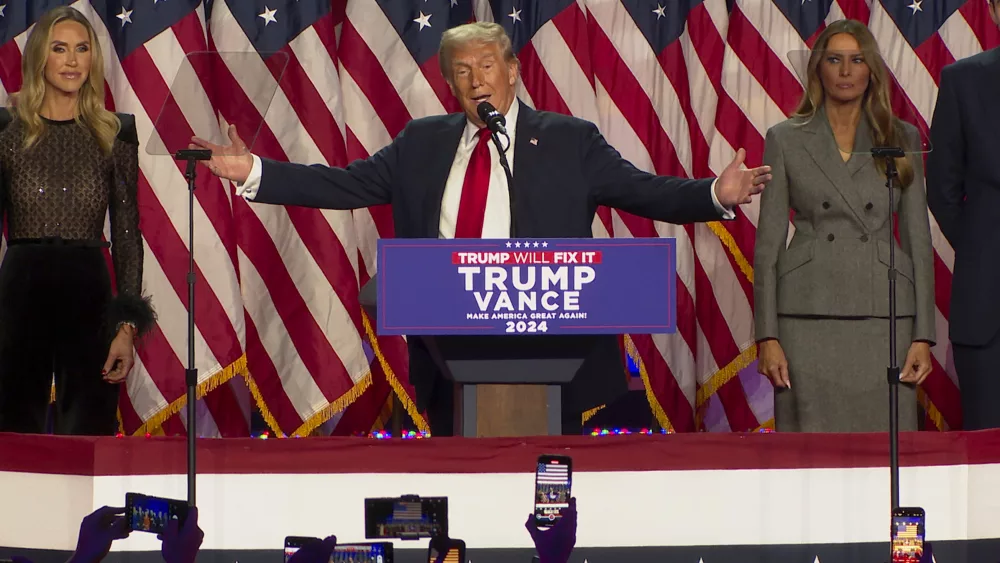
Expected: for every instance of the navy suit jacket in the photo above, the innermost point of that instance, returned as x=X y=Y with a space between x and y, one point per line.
x=558 y=182
x=963 y=191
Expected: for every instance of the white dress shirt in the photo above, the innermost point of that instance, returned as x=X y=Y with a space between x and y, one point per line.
x=496 y=222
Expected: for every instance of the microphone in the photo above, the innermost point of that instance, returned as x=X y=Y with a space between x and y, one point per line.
x=493 y=119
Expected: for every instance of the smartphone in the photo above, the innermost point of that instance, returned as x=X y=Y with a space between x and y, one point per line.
x=380 y=552
x=446 y=550
x=408 y=517
x=553 y=477
x=150 y=514
x=907 y=532
x=293 y=543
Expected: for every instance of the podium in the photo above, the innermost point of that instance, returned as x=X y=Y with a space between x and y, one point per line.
x=508 y=327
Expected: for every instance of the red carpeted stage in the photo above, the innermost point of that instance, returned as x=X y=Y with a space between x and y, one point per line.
x=681 y=497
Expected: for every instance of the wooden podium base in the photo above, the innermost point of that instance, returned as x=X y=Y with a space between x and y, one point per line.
x=508 y=410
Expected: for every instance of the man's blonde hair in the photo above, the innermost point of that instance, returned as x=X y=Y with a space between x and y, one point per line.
x=477 y=32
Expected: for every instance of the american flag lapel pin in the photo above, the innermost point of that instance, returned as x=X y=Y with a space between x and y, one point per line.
x=534 y=141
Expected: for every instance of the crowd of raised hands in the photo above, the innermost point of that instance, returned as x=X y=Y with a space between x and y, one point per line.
x=180 y=543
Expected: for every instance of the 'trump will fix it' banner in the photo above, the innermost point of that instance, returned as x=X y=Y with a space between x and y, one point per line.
x=526 y=286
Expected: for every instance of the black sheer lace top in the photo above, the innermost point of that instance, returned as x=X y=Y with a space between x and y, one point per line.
x=62 y=187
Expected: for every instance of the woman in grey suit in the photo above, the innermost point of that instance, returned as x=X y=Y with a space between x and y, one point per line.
x=822 y=302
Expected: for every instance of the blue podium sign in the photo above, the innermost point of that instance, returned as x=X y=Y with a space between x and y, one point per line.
x=526 y=286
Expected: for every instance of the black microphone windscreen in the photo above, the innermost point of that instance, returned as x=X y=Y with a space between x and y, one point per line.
x=485 y=111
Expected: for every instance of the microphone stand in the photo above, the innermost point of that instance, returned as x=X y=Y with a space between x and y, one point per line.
x=191 y=156
x=890 y=154
x=510 y=178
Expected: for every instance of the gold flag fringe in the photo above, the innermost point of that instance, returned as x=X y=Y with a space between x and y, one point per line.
x=721 y=377
x=730 y=243
x=327 y=412
x=932 y=410
x=390 y=376
x=654 y=403
x=155 y=422
x=587 y=415
x=384 y=415
x=265 y=412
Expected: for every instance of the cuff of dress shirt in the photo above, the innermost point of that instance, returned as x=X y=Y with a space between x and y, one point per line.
x=248 y=190
x=727 y=214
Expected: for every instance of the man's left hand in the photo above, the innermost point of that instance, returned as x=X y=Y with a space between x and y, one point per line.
x=737 y=185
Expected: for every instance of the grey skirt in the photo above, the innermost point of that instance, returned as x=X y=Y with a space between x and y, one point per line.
x=837 y=369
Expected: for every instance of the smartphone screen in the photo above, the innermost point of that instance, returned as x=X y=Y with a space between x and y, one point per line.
x=294 y=543
x=151 y=514
x=907 y=535
x=446 y=550
x=362 y=553
x=406 y=517
x=553 y=477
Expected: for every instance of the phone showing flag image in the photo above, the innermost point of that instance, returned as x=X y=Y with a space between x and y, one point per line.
x=553 y=478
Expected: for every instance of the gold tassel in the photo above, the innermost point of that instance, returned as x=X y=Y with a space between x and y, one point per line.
x=327 y=412
x=265 y=412
x=390 y=376
x=721 y=377
x=729 y=242
x=154 y=423
x=932 y=410
x=587 y=415
x=654 y=403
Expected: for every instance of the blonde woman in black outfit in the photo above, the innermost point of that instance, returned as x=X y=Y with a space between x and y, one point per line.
x=66 y=162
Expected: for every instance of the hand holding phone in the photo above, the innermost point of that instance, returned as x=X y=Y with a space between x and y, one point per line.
x=151 y=514
x=907 y=533
x=446 y=550
x=556 y=543
x=309 y=550
x=97 y=531
x=553 y=481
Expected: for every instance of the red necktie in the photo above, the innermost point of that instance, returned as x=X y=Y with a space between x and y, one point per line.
x=472 y=206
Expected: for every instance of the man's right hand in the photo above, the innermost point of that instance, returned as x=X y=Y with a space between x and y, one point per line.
x=233 y=162
x=773 y=364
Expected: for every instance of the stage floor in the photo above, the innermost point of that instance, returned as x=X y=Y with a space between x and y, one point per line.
x=711 y=497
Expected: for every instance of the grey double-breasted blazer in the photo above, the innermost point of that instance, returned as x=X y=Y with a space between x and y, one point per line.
x=836 y=264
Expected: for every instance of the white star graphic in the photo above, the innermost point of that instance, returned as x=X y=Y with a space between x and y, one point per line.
x=915 y=6
x=660 y=11
x=2 y=8
x=545 y=245
x=454 y=3
x=517 y=244
x=536 y=244
x=515 y=15
x=508 y=244
x=125 y=16
x=268 y=16
x=423 y=20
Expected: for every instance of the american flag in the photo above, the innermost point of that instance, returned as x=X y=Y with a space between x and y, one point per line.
x=552 y=474
x=676 y=86
x=407 y=511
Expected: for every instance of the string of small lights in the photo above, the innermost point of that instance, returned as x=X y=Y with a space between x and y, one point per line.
x=415 y=435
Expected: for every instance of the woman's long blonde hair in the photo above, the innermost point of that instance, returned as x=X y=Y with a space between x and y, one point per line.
x=27 y=103
x=887 y=130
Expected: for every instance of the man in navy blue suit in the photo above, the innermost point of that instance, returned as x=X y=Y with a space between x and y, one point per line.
x=443 y=178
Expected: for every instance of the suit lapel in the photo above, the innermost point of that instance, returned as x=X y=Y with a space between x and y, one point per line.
x=448 y=136
x=526 y=162
x=822 y=147
x=988 y=85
